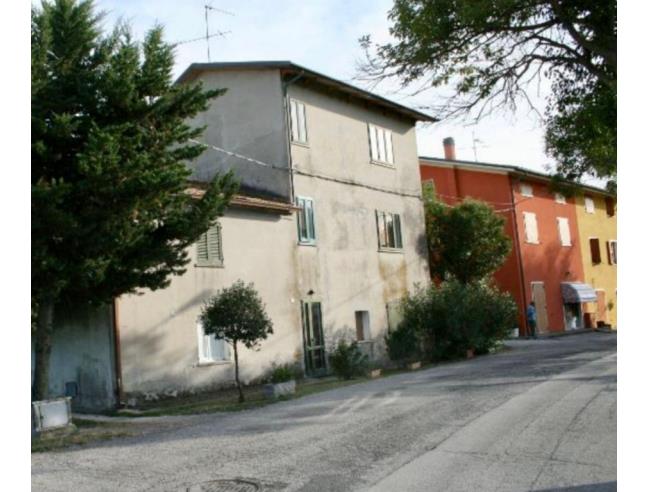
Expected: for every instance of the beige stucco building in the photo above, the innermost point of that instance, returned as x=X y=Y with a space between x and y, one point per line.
x=329 y=227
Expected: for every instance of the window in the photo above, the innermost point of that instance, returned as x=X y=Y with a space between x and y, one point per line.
x=563 y=231
x=389 y=230
x=210 y=348
x=589 y=205
x=526 y=189
x=209 y=248
x=560 y=198
x=595 y=250
x=298 y=122
x=530 y=227
x=306 y=220
x=362 y=325
x=380 y=143
x=612 y=252
x=609 y=206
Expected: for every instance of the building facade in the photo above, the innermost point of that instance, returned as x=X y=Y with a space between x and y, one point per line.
x=546 y=261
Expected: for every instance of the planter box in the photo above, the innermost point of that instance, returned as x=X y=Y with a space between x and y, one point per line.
x=375 y=373
x=273 y=391
x=413 y=366
x=51 y=414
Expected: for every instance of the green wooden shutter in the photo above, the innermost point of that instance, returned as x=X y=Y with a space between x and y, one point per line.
x=209 y=248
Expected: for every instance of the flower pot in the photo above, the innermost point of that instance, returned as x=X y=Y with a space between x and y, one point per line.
x=375 y=373
x=52 y=414
x=274 y=391
x=413 y=366
x=470 y=353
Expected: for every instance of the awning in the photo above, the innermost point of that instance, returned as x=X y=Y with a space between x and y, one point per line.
x=573 y=292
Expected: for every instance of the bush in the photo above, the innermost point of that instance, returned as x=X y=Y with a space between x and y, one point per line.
x=282 y=373
x=451 y=318
x=402 y=344
x=347 y=361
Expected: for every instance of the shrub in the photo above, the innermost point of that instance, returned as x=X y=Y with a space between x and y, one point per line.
x=451 y=318
x=347 y=361
x=402 y=344
x=282 y=373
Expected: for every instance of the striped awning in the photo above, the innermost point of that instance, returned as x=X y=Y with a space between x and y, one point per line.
x=574 y=292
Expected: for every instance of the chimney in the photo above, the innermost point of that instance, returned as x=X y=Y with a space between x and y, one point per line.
x=449 y=149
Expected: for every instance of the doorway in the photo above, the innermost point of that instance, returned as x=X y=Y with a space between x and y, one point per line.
x=539 y=297
x=601 y=307
x=314 y=350
x=573 y=316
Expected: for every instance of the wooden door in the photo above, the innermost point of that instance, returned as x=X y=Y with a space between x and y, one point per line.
x=314 y=350
x=538 y=296
x=601 y=307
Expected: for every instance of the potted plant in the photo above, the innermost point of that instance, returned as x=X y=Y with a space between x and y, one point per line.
x=281 y=381
x=375 y=370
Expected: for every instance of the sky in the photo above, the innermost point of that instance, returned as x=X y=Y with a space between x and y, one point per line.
x=323 y=35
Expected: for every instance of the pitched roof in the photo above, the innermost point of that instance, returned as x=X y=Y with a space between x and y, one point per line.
x=287 y=67
x=506 y=168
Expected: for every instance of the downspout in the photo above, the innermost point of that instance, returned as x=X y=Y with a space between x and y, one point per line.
x=284 y=87
x=118 y=367
x=518 y=252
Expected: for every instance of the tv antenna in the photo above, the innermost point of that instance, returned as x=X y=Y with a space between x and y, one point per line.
x=209 y=8
x=475 y=141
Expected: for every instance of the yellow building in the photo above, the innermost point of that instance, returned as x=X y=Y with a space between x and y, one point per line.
x=597 y=229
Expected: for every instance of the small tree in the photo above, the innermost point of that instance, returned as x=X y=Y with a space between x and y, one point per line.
x=466 y=242
x=237 y=314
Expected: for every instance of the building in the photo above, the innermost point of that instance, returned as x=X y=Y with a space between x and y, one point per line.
x=597 y=233
x=546 y=262
x=329 y=227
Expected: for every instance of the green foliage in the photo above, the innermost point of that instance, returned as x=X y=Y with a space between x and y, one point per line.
x=402 y=344
x=489 y=53
x=282 y=373
x=110 y=142
x=347 y=361
x=466 y=242
x=237 y=314
x=451 y=318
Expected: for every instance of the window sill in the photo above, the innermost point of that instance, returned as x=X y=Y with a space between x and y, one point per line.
x=383 y=164
x=304 y=243
x=391 y=250
x=208 y=363
x=300 y=144
x=206 y=265
x=532 y=242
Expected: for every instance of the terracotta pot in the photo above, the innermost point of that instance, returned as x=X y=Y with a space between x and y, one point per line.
x=375 y=373
x=413 y=366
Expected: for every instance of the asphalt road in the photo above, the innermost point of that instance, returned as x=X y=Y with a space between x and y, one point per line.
x=541 y=416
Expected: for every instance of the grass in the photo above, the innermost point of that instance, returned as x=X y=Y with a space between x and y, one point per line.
x=84 y=432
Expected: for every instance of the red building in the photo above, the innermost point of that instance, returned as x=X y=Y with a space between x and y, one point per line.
x=545 y=262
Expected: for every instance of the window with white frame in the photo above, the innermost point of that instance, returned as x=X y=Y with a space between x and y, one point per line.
x=211 y=348
x=298 y=122
x=306 y=220
x=380 y=143
x=560 y=198
x=526 y=189
x=530 y=227
x=389 y=230
x=563 y=231
x=589 y=205
x=209 y=248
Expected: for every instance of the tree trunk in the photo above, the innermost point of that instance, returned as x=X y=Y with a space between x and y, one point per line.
x=43 y=349
x=241 y=398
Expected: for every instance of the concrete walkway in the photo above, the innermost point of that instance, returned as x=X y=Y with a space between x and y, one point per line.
x=539 y=417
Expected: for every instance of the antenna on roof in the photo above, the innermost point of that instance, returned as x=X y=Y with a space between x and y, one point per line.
x=208 y=7
x=475 y=141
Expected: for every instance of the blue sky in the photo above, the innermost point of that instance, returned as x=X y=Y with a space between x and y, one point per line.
x=323 y=35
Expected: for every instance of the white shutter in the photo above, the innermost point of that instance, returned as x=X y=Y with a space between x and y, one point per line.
x=589 y=205
x=563 y=231
x=373 y=143
x=382 y=152
x=388 y=145
x=560 y=198
x=530 y=227
x=301 y=117
x=294 y=125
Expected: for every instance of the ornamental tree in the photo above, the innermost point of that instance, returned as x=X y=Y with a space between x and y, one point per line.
x=237 y=314
x=110 y=142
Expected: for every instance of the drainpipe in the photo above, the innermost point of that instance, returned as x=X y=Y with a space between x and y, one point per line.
x=117 y=343
x=518 y=252
x=284 y=87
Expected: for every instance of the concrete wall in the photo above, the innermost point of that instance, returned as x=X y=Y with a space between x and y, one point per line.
x=344 y=268
x=83 y=352
x=601 y=276
x=159 y=340
x=249 y=120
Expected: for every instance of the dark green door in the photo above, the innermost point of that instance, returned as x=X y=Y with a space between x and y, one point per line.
x=314 y=351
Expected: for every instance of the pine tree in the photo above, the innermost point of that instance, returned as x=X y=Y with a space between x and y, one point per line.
x=110 y=139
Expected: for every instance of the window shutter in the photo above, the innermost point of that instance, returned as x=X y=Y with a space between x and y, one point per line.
x=209 y=248
x=301 y=117
x=530 y=227
x=310 y=220
x=609 y=206
x=563 y=230
x=380 y=228
x=608 y=247
x=201 y=247
x=595 y=250
x=388 y=146
x=373 y=142
x=397 y=231
x=294 y=126
x=589 y=204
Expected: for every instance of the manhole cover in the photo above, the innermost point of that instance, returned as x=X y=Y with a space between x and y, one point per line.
x=225 y=486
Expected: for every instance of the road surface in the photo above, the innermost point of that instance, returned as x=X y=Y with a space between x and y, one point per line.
x=541 y=416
